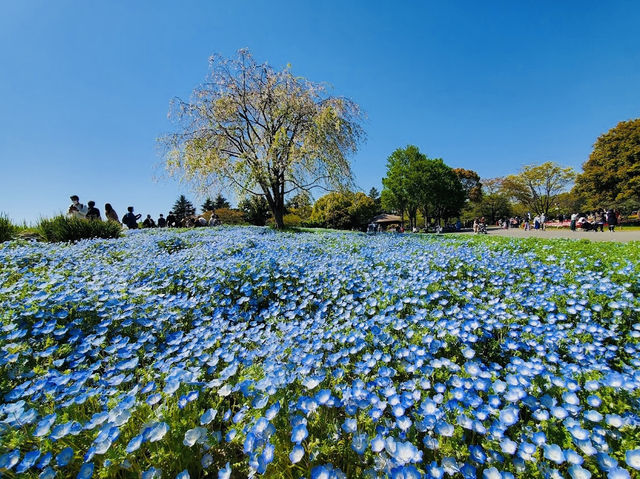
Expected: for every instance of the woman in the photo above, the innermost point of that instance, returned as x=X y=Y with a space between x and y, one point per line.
x=110 y=213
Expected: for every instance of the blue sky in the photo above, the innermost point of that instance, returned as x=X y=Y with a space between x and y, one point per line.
x=491 y=86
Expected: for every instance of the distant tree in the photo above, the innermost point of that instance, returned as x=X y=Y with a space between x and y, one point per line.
x=183 y=208
x=221 y=202
x=208 y=205
x=493 y=204
x=343 y=210
x=471 y=184
x=300 y=200
x=611 y=175
x=374 y=194
x=536 y=186
x=263 y=132
x=569 y=202
x=255 y=209
x=398 y=193
x=300 y=205
x=444 y=192
x=415 y=181
x=362 y=210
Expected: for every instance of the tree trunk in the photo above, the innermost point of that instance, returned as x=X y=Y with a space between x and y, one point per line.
x=278 y=216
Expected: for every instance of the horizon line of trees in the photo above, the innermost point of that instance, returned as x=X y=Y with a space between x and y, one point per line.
x=270 y=136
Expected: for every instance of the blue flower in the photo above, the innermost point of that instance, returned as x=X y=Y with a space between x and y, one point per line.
x=632 y=459
x=296 y=454
x=554 y=453
x=299 y=433
x=225 y=473
x=577 y=472
x=64 y=457
x=359 y=443
x=350 y=425
x=86 y=471
x=491 y=473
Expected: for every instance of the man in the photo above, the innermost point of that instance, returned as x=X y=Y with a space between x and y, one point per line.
x=93 y=213
x=162 y=222
x=148 y=222
x=131 y=219
x=77 y=209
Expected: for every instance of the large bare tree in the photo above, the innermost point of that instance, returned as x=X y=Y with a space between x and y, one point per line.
x=262 y=132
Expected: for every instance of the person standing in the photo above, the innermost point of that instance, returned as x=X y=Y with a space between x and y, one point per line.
x=574 y=218
x=93 y=213
x=110 y=213
x=131 y=219
x=77 y=209
x=612 y=220
x=543 y=219
x=600 y=220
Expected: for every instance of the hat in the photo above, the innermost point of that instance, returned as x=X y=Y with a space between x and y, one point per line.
x=74 y=197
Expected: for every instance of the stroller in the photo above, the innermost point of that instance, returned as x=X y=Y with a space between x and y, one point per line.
x=482 y=228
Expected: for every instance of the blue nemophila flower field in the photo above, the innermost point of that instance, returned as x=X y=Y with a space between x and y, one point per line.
x=244 y=352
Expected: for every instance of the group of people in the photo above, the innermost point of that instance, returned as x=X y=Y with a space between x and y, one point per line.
x=130 y=219
x=596 y=220
x=593 y=221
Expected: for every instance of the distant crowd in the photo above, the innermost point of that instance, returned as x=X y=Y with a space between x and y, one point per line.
x=591 y=221
x=130 y=219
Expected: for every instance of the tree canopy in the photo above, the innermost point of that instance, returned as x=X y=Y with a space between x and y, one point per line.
x=471 y=184
x=263 y=132
x=535 y=186
x=611 y=175
x=415 y=182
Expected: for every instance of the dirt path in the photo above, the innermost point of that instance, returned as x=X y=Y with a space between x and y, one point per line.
x=549 y=233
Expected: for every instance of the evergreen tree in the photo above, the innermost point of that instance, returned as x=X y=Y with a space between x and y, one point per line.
x=208 y=205
x=374 y=194
x=221 y=202
x=183 y=208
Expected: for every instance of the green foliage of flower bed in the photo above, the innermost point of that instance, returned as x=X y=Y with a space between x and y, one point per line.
x=65 y=229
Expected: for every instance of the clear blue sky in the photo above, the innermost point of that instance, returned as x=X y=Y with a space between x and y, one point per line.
x=85 y=85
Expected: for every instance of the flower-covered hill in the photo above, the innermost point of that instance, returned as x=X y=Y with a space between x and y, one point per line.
x=235 y=352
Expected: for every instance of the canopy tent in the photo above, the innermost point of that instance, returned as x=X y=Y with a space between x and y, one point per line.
x=386 y=219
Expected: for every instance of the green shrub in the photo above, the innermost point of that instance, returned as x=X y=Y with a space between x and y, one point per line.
x=290 y=221
x=63 y=228
x=7 y=229
x=230 y=217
